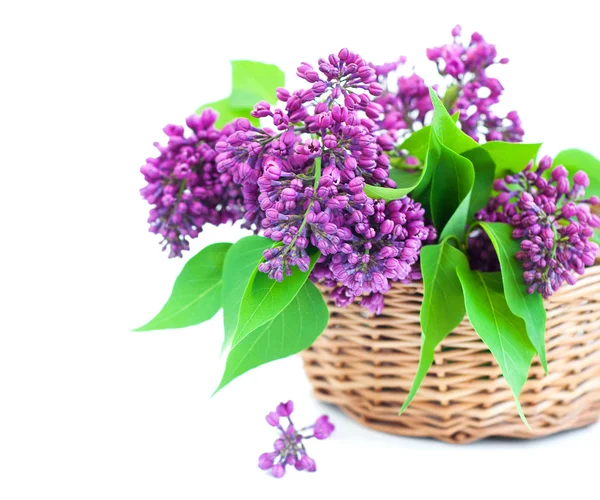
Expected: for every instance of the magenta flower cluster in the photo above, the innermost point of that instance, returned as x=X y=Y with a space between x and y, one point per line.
x=185 y=187
x=467 y=90
x=552 y=220
x=289 y=449
x=303 y=183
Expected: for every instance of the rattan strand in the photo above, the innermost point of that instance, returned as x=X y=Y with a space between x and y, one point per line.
x=366 y=364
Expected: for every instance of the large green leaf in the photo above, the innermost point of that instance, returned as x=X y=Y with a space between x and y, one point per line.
x=443 y=131
x=240 y=264
x=291 y=331
x=253 y=81
x=405 y=185
x=265 y=298
x=502 y=331
x=446 y=128
x=196 y=295
x=510 y=157
x=417 y=143
x=484 y=168
x=443 y=305
x=404 y=177
x=576 y=159
x=529 y=307
x=227 y=112
x=451 y=184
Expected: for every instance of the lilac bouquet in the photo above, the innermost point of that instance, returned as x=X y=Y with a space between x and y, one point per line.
x=366 y=176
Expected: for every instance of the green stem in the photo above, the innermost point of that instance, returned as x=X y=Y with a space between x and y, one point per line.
x=310 y=205
x=450 y=96
x=312 y=202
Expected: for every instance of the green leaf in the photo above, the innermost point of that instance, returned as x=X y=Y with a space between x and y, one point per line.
x=443 y=305
x=484 y=178
x=253 y=81
x=196 y=295
x=240 y=265
x=405 y=182
x=446 y=129
x=290 y=332
x=227 y=112
x=417 y=143
x=510 y=157
x=403 y=177
x=451 y=184
x=405 y=185
x=529 y=307
x=502 y=331
x=574 y=160
x=265 y=298
x=457 y=224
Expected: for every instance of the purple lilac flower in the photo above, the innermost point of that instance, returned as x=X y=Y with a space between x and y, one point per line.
x=467 y=89
x=476 y=92
x=289 y=447
x=185 y=187
x=303 y=183
x=384 y=247
x=551 y=219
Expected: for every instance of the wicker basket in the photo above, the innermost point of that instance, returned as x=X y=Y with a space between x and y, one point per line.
x=365 y=365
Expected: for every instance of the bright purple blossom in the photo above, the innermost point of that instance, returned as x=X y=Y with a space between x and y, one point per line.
x=303 y=183
x=185 y=187
x=551 y=219
x=323 y=427
x=289 y=448
x=384 y=246
x=467 y=90
x=285 y=409
x=472 y=92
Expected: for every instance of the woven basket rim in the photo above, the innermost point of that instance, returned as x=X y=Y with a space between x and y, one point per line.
x=365 y=364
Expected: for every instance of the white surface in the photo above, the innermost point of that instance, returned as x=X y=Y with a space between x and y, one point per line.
x=91 y=410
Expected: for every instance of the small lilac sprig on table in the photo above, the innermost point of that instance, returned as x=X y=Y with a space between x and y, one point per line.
x=289 y=447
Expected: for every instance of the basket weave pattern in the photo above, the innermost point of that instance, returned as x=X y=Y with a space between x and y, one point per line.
x=366 y=364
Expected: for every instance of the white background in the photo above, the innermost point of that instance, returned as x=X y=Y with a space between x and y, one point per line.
x=89 y=409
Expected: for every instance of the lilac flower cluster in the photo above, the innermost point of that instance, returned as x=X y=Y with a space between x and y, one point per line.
x=385 y=247
x=551 y=219
x=476 y=92
x=407 y=109
x=303 y=183
x=468 y=90
x=185 y=187
x=289 y=447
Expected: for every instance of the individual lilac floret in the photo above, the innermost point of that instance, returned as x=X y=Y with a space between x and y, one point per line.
x=551 y=219
x=185 y=187
x=289 y=447
x=323 y=427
